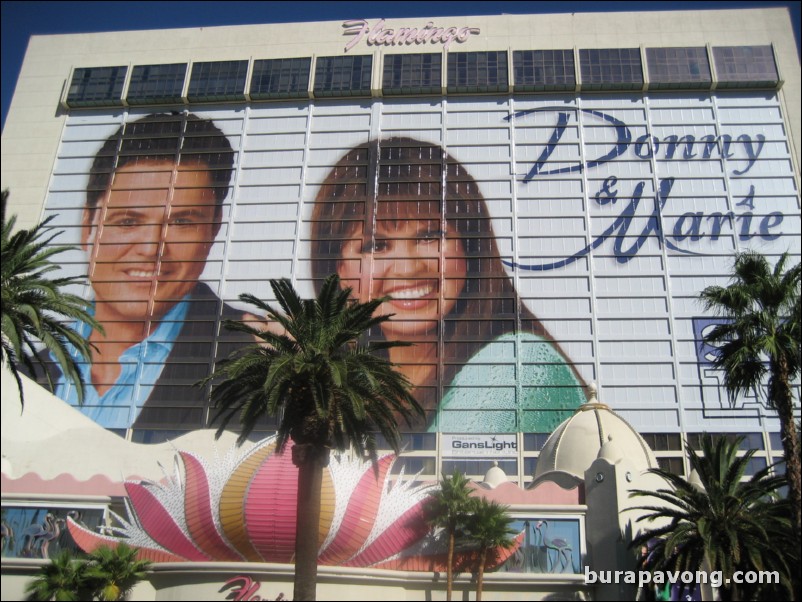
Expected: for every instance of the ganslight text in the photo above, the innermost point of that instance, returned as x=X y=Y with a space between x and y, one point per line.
x=496 y=445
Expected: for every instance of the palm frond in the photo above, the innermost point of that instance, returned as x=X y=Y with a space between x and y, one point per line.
x=325 y=387
x=758 y=349
x=729 y=523
x=35 y=306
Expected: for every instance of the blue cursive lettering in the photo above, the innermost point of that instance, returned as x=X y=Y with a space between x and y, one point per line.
x=691 y=226
x=619 y=229
x=644 y=147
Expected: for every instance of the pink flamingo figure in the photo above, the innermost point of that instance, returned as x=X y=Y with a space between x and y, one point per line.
x=8 y=536
x=50 y=536
x=31 y=535
x=561 y=547
x=37 y=537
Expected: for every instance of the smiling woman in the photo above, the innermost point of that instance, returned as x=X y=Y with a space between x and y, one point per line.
x=414 y=283
x=400 y=218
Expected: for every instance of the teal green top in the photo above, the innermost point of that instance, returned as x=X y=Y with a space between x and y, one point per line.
x=486 y=397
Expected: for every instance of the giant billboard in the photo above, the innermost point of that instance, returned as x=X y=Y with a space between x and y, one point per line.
x=530 y=245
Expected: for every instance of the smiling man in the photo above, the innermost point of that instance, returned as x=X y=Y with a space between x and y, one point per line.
x=153 y=210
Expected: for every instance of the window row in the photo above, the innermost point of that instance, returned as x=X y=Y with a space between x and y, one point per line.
x=415 y=74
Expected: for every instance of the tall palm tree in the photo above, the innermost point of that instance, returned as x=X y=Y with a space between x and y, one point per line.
x=762 y=337
x=34 y=306
x=449 y=509
x=63 y=578
x=488 y=528
x=114 y=572
x=727 y=524
x=328 y=389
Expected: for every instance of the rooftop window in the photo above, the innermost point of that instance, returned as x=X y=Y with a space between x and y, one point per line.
x=218 y=81
x=343 y=75
x=611 y=69
x=156 y=84
x=541 y=70
x=412 y=74
x=745 y=67
x=280 y=78
x=672 y=68
x=96 y=86
x=470 y=72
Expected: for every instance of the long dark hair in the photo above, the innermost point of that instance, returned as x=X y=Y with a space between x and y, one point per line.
x=398 y=178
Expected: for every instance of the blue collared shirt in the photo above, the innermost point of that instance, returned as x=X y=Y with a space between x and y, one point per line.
x=141 y=365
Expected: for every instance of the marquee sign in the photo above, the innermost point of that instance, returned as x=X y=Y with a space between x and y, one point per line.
x=379 y=35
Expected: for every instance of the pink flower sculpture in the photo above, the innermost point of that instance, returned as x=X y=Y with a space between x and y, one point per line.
x=242 y=507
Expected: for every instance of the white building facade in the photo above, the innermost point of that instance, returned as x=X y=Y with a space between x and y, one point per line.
x=545 y=196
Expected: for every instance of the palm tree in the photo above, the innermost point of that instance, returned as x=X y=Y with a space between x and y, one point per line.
x=34 y=305
x=63 y=578
x=785 y=551
x=728 y=524
x=328 y=389
x=449 y=509
x=760 y=338
x=488 y=528
x=114 y=572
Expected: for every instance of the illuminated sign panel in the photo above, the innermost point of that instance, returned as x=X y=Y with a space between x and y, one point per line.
x=531 y=244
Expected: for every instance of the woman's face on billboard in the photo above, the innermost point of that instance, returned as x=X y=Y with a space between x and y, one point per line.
x=413 y=261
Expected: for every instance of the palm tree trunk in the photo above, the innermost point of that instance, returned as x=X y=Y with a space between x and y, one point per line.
x=450 y=567
x=310 y=461
x=782 y=397
x=481 y=577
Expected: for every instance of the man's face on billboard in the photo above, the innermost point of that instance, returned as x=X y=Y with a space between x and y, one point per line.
x=149 y=237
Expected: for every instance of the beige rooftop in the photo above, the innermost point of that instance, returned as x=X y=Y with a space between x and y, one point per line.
x=593 y=431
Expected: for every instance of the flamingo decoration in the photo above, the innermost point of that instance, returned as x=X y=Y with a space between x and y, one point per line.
x=561 y=547
x=8 y=536
x=32 y=533
x=37 y=537
x=50 y=535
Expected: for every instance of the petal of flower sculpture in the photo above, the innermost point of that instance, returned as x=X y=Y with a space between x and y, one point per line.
x=232 y=502
x=160 y=525
x=89 y=542
x=198 y=510
x=360 y=515
x=400 y=523
x=271 y=504
x=270 y=508
x=405 y=530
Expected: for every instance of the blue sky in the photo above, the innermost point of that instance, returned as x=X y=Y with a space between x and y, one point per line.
x=22 y=19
